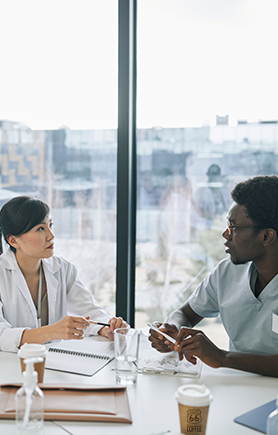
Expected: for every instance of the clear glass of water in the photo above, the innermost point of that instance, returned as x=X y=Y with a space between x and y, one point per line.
x=126 y=343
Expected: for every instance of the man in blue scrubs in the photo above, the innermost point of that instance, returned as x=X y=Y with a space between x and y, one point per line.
x=243 y=289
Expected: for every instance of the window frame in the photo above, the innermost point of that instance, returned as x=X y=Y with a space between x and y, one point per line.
x=126 y=161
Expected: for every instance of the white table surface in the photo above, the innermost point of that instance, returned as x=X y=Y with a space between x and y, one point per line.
x=153 y=406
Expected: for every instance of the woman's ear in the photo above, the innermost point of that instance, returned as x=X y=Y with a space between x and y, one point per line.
x=12 y=241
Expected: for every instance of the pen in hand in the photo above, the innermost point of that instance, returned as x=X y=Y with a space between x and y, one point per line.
x=168 y=337
x=98 y=323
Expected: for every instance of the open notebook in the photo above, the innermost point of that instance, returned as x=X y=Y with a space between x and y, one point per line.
x=83 y=357
x=152 y=361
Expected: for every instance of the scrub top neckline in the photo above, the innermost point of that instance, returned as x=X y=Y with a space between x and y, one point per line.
x=267 y=291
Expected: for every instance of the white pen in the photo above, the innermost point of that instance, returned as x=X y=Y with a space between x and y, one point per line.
x=168 y=337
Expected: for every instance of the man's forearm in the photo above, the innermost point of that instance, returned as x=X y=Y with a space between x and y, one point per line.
x=184 y=316
x=266 y=365
x=193 y=343
x=179 y=318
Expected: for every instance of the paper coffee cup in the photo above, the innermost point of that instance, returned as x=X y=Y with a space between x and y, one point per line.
x=33 y=350
x=193 y=401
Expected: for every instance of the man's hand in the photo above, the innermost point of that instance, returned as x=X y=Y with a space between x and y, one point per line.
x=192 y=343
x=158 y=341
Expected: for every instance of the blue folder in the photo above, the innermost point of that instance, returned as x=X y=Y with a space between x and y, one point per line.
x=256 y=419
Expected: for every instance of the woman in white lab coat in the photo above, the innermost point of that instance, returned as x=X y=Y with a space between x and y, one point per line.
x=41 y=296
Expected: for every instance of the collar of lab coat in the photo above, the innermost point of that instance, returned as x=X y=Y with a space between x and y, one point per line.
x=50 y=265
x=8 y=261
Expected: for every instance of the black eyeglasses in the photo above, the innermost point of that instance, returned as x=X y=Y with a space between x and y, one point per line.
x=232 y=228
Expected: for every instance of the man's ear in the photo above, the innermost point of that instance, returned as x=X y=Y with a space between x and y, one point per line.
x=12 y=241
x=270 y=236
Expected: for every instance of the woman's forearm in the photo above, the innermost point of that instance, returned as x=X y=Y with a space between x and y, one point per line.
x=70 y=327
x=37 y=335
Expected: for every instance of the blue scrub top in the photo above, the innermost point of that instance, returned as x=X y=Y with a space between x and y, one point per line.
x=229 y=291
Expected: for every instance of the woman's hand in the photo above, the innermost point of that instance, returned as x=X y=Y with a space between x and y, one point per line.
x=70 y=327
x=114 y=322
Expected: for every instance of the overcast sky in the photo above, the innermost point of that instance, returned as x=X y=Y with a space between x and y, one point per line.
x=196 y=59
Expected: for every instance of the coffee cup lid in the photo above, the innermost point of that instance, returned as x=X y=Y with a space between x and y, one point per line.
x=193 y=395
x=29 y=350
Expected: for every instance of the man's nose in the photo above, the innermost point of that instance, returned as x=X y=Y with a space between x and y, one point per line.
x=226 y=234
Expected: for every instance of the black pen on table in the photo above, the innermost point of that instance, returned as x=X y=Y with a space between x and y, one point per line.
x=98 y=323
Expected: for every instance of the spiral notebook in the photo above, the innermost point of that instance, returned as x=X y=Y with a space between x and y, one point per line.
x=84 y=357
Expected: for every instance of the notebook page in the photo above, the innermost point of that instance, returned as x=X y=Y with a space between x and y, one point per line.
x=85 y=357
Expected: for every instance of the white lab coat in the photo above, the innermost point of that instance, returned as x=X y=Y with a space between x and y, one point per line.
x=66 y=296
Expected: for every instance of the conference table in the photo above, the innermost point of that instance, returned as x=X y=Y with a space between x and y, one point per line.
x=153 y=406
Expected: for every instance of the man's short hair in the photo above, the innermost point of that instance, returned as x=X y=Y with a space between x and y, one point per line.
x=259 y=196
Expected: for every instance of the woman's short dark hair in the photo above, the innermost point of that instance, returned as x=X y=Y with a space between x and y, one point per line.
x=20 y=215
x=259 y=196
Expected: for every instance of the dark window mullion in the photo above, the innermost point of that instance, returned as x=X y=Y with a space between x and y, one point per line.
x=126 y=178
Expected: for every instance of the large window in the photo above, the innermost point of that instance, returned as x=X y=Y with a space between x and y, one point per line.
x=58 y=121
x=207 y=118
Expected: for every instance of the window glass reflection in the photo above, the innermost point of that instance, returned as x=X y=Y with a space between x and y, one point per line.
x=58 y=118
